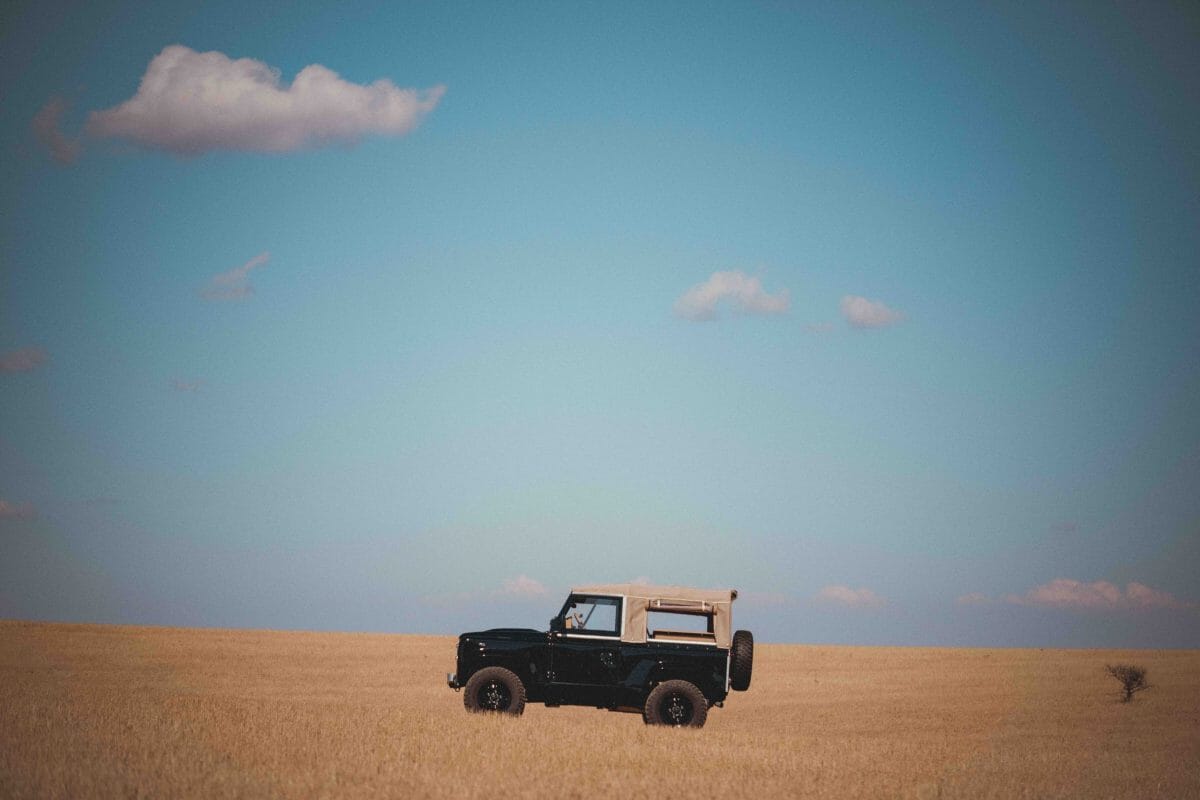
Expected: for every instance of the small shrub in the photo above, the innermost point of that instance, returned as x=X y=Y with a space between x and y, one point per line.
x=1132 y=678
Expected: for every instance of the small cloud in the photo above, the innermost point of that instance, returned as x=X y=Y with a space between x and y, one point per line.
x=1099 y=595
x=1139 y=595
x=47 y=128
x=24 y=360
x=853 y=598
x=186 y=386
x=745 y=293
x=972 y=599
x=190 y=103
x=16 y=510
x=234 y=284
x=523 y=586
x=863 y=313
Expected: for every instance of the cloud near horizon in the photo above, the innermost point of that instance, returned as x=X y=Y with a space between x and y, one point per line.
x=234 y=284
x=25 y=359
x=745 y=293
x=853 y=598
x=1099 y=595
x=189 y=103
x=863 y=313
x=523 y=586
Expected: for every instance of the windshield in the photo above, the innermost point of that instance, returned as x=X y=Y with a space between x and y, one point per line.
x=592 y=615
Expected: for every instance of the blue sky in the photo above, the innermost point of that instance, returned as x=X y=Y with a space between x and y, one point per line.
x=884 y=315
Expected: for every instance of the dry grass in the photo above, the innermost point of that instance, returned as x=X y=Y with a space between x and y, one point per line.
x=99 y=711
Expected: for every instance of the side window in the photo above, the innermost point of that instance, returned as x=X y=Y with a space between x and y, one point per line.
x=666 y=625
x=598 y=616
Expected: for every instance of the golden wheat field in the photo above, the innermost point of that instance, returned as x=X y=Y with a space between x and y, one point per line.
x=108 y=711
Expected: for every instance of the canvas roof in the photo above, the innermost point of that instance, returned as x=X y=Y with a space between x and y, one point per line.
x=640 y=599
x=651 y=592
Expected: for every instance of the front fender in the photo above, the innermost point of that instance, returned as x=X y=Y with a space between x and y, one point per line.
x=524 y=659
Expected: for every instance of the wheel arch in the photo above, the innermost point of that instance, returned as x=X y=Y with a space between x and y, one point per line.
x=710 y=683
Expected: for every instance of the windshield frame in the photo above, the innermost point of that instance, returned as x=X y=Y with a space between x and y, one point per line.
x=574 y=599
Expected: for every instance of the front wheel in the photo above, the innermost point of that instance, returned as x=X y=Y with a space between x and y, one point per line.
x=676 y=703
x=495 y=689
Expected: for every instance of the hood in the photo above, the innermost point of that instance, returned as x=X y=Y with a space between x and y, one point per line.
x=506 y=634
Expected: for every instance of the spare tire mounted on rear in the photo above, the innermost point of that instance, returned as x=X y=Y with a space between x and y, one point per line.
x=741 y=660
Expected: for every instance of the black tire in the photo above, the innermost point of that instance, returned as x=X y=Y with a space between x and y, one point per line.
x=676 y=703
x=741 y=661
x=495 y=690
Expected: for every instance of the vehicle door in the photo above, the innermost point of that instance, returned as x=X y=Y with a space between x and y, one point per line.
x=585 y=650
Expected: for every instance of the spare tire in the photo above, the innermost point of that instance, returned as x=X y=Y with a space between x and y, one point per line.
x=741 y=661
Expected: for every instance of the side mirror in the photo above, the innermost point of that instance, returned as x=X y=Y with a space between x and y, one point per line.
x=556 y=624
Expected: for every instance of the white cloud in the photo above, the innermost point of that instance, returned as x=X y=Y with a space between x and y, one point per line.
x=15 y=510
x=863 y=313
x=47 y=127
x=26 y=359
x=972 y=599
x=190 y=103
x=523 y=586
x=854 y=598
x=745 y=293
x=1099 y=595
x=1139 y=595
x=234 y=284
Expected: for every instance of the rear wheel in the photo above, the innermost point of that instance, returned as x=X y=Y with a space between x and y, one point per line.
x=495 y=689
x=676 y=703
x=741 y=661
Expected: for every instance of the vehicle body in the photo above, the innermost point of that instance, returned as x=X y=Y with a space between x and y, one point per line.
x=667 y=652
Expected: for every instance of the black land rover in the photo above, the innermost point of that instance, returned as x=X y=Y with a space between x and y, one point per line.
x=665 y=652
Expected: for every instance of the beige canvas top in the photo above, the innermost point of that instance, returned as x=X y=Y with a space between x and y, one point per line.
x=641 y=599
